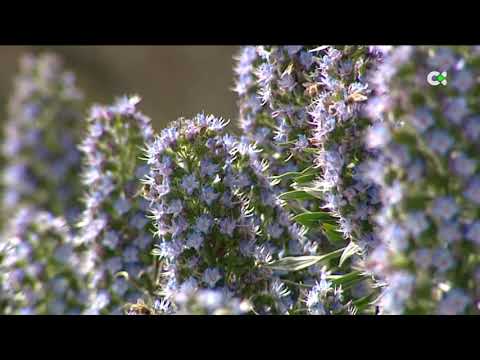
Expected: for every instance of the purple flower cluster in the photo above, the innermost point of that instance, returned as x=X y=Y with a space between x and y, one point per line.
x=324 y=298
x=215 y=213
x=340 y=75
x=274 y=88
x=428 y=173
x=348 y=144
x=40 y=137
x=314 y=97
x=41 y=269
x=256 y=121
x=114 y=227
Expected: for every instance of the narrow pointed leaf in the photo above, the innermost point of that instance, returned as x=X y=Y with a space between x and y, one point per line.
x=332 y=233
x=364 y=302
x=350 y=278
x=315 y=193
x=302 y=179
x=350 y=250
x=296 y=195
x=311 y=219
x=286 y=175
x=296 y=263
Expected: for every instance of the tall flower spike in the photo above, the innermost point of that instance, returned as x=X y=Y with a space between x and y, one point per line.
x=315 y=96
x=41 y=135
x=428 y=172
x=41 y=271
x=274 y=90
x=215 y=215
x=114 y=225
x=338 y=127
x=256 y=122
x=277 y=124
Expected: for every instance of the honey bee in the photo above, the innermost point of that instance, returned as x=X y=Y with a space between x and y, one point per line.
x=145 y=190
x=311 y=89
x=140 y=308
x=356 y=97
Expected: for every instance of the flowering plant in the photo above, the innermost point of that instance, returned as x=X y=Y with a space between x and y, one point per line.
x=113 y=227
x=427 y=173
x=43 y=128
x=41 y=270
x=352 y=188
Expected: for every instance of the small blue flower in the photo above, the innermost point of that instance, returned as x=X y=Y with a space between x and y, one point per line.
x=203 y=224
x=440 y=141
x=209 y=195
x=227 y=226
x=444 y=208
x=195 y=240
x=190 y=183
x=211 y=276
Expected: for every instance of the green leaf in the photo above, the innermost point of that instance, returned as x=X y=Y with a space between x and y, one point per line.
x=311 y=219
x=364 y=302
x=333 y=227
x=313 y=192
x=302 y=179
x=350 y=250
x=296 y=263
x=293 y=263
x=309 y=170
x=333 y=236
x=287 y=143
x=350 y=278
x=332 y=233
x=286 y=175
x=310 y=150
x=296 y=195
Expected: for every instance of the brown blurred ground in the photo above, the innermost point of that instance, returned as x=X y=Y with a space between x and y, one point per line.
x=173 y=81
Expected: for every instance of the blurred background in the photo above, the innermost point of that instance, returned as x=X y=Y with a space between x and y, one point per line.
x=173 y=81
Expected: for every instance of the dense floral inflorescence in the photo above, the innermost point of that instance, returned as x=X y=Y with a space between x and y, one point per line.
x=43 y=127
x=256 y=122
x=315 y=96
x=41 y=270
x=336 y=114
x=274 y=89
x=114 y=225
x=217 y=216
x=428 y=172
x=354 y=187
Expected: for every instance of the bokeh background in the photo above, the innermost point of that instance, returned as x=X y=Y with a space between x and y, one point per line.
x=173 y=81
